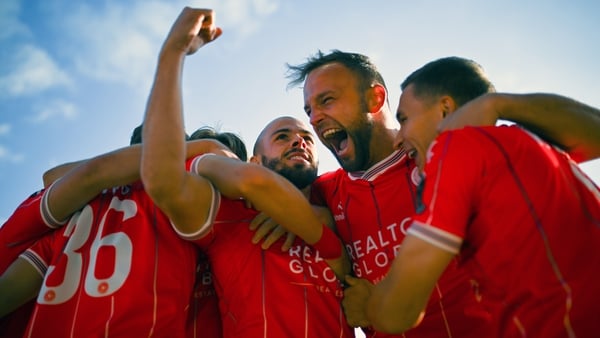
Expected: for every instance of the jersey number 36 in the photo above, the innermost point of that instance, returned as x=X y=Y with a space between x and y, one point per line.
x=79 y=230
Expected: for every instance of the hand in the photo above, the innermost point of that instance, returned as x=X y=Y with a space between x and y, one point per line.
x=269 y=231
x=355 y=300
x=193 y=29
x=478 y=112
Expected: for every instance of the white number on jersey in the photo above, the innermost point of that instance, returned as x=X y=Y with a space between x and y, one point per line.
x=79 y=231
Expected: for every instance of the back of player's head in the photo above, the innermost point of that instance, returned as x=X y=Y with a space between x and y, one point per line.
x=460 y=78
x=361 y=65
x=230 y=140
x=136 y=135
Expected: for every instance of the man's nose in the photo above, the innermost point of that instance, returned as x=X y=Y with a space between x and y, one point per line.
x=398 y=140
x=315 y=117
x=299 y=142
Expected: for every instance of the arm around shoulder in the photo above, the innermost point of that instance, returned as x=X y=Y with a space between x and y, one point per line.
x=570 y=124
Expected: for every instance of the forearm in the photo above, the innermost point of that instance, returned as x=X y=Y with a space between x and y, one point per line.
x=18 y=284
x=387 y=311
x=398 y=302
x=266 y=190
x=53 y=174
x=81 y=184
x=570 y=124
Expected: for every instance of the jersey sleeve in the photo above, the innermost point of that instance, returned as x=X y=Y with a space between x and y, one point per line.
x=40 y=254
x=449 y=191
x=28 y=223
x=205 y=229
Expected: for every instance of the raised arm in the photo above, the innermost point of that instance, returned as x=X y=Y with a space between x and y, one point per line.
x=572 y=125
x=185 y=198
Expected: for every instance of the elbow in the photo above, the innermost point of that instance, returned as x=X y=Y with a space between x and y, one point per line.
x=395 y=324
x=154 y=186
x=48 y=178
x=387 y=315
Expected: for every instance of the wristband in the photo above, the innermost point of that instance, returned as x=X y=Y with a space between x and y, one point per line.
x=328 y=246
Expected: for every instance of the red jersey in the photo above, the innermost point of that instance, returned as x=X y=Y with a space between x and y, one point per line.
x=204 y=320
x=268 y=293
x=525 y=222
x=116 y=269
x=372 y=211
x=25 y=226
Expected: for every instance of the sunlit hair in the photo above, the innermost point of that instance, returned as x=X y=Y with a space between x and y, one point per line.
x=365 y=71
x=460 y=78
x=230 y=140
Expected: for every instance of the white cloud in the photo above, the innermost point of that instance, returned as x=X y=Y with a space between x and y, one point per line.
x=4 y=129
x=54 y=108
x=34 y=72
x=9 y=23
x=120 y=41
x=8 y=156
x=244 y=17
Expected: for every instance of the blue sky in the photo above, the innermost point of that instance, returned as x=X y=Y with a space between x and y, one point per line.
x=75 y=75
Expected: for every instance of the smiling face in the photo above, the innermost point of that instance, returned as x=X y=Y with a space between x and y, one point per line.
x=339 y=115
x=287 y=147
x=418 y=119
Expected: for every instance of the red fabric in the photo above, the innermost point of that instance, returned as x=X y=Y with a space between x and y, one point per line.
x=25 y=226
x=270 y=293
x=530 y=225
x=372 y=215
x=117 y=269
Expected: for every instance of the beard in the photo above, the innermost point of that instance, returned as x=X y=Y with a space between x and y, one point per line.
x=301 y=176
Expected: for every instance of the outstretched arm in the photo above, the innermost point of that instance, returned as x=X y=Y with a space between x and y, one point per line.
x=87 y=179
x=274 y=194
x=82 y=180
x=572 y=125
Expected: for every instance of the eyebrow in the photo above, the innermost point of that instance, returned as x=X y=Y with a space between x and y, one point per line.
x=288 y=130
x=318 y=98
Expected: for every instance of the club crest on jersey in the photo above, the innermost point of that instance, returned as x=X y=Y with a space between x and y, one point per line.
x=339 y=215
x=430 y=151
x=415 y=176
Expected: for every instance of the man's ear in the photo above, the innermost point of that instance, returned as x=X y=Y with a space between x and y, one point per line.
x=376 y=98
x=255 y=159
x=448 y=105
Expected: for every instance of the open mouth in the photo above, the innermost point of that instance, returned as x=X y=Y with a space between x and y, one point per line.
x=296 y=155
x=336 y=138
